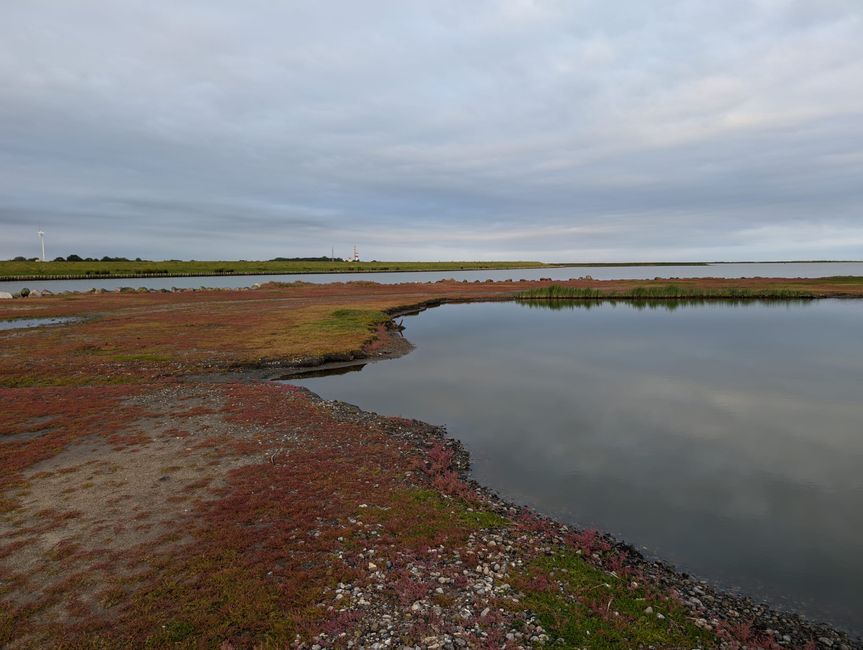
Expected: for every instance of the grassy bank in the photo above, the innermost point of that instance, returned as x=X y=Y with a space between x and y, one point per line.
x=669 y=291
x=19 y=270
x=22 y=270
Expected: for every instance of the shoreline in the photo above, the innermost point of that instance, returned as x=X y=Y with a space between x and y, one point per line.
x=707 y=601
x=455 y=266
x=36 y=277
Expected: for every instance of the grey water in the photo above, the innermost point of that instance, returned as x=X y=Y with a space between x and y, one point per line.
x=759 y=269
x=26 y=323
x=726 y=439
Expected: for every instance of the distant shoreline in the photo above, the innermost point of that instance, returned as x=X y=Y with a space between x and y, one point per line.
x=12 y=271
x=34 y=271
x=29 y=271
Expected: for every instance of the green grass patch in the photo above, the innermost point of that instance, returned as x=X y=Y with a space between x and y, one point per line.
x=840 y=279
x=142 y=356
x=11 y=270
x=419 y=517
x=668 y=291
x=589 y=608
x=344 y=321
x=476 y=518
x=558 y=292
x=482 y=519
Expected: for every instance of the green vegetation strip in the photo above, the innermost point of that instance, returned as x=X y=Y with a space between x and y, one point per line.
x=660 y=292
x=20 y=270
x=589 y=608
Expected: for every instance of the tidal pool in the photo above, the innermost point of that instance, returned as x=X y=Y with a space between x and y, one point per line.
x=724 y=438
x=25 y=323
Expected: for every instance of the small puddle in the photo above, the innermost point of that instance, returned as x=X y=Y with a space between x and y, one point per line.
x=24 y=323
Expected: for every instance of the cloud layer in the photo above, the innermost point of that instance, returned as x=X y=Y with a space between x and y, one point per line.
x=576 y=130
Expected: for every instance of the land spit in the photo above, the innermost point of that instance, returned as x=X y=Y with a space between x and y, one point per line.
x=143 y=505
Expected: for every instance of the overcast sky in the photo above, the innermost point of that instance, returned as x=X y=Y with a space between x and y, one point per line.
x=507 y=129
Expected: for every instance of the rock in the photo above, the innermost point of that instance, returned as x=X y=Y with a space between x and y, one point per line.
x=5 y=295
x=24 y=292
x=35 y=294
x=648 y=610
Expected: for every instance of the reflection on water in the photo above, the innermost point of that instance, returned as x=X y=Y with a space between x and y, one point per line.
x=727 y=439
x=667 y=305
x=327 y=371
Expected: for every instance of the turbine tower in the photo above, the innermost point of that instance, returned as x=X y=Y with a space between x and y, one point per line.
x=42 y=241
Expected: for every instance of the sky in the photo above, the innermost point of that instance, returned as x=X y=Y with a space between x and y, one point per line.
x=571 y=130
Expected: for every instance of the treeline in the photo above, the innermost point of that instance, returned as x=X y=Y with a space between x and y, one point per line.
x=78 y=258
x=306 y=259
x=106 y=258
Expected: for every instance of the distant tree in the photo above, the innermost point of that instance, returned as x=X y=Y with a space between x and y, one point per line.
x=60 y=259
x=74 y=258
x=19 y=259
x=138 y=259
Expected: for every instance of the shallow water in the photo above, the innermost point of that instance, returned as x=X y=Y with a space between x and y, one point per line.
x=25 y=323
x=726 y=439
x=766 y=270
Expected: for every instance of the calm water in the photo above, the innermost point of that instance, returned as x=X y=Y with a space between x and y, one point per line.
x=773 y=270
x=26 y=323
x=726 y=439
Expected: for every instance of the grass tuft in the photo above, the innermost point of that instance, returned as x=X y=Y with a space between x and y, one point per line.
x=589 y=608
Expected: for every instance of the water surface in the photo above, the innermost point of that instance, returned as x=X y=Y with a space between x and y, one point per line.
x=726 y=439
x=764 y=269
x=25 y=323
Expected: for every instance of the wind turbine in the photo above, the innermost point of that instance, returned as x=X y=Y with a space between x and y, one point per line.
x=42 y=241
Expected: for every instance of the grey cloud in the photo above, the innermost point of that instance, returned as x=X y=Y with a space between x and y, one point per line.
x=544 y=130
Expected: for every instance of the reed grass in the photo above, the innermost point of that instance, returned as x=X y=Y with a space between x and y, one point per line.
x=665 y=292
